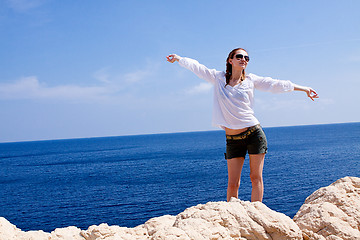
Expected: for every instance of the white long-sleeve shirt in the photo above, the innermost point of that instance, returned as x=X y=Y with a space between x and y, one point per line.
x=233 y=106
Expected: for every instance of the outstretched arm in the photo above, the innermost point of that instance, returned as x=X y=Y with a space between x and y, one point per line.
x=199 y=69
x=309 y=91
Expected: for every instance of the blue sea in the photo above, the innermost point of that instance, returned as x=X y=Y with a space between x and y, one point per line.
x=127 y=180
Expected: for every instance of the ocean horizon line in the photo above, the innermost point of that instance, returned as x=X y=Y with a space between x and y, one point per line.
x=163 y=133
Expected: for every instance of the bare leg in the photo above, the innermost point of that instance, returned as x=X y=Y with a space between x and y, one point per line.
x=234 y=172
x=256 y=169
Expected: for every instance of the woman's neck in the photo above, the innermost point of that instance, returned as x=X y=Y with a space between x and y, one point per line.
x=236 y=75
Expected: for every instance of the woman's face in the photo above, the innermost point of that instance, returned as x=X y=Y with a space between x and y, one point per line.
x=239 y=60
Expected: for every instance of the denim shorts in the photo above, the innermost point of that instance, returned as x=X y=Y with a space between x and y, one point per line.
x=253 y=141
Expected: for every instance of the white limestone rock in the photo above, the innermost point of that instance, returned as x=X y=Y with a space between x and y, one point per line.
x=214 y=220
x=106 y=232
x=236 y=220
x=332 y=212
x=71 y=232
x=9 y=231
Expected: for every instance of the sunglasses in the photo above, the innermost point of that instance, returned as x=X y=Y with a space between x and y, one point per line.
x=240 y=56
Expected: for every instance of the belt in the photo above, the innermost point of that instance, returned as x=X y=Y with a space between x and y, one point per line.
x=243 y=135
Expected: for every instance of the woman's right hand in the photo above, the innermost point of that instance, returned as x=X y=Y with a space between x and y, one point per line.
x=172 y=58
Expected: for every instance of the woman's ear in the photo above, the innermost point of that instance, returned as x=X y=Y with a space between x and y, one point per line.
x=230 y=61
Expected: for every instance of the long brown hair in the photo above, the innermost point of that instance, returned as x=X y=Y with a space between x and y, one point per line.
x=228 y=72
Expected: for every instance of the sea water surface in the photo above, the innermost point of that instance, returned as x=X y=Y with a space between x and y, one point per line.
x=127 y=180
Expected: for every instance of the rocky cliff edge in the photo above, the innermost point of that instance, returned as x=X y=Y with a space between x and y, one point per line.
x=331 y=212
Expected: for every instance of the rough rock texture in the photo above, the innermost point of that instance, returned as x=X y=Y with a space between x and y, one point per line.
x=332 y=212
x=214 y=220
x=9 y=231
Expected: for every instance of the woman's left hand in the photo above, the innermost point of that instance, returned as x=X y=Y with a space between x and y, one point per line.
x=309 y=91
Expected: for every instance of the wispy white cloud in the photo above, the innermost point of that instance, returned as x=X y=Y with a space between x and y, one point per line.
x=137 y=76
x=32 y=88
x=103 y=75
x=141 y=74
x=110 y=86
x=107 y=74
x=24 y=5
x=200 y=88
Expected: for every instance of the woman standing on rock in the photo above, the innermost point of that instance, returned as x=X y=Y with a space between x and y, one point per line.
x=233 y=112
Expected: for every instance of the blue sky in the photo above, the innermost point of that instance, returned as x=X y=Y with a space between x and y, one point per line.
x=71 y=69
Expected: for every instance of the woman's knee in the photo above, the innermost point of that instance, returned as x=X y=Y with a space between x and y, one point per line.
x=233 y=184
x=256 y=178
